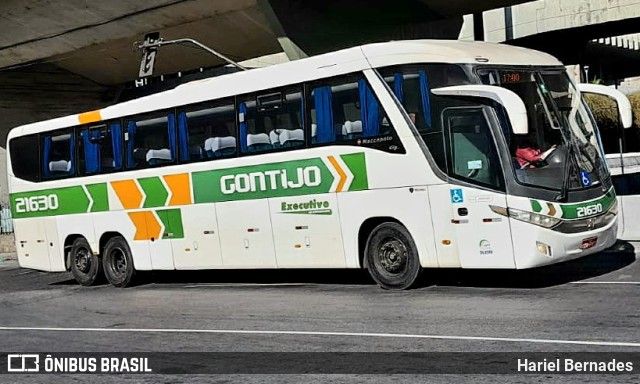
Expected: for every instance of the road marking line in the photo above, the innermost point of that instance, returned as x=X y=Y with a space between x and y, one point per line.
x=320 y=333
x=231 y=285
x=605 y=282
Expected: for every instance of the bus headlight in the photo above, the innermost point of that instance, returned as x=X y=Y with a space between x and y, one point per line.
x=528 y=217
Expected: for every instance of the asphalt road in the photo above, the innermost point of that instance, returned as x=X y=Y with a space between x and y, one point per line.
x=588 y=305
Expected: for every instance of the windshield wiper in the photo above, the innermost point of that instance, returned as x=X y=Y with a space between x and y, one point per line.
x=598 y=171
x=566 y=173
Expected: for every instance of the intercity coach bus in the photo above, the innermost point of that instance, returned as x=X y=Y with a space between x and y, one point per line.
x=395 y=157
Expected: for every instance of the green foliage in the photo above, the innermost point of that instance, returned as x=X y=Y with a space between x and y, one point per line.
x=635 y=106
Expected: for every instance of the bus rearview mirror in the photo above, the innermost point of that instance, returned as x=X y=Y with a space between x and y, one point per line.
x=512 y=103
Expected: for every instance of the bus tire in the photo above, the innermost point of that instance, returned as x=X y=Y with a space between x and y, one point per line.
x=86 y=267
x=117 y=262
x=391 y=256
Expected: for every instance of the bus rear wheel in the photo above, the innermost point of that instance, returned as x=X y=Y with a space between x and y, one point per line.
x=392 y=257
x=85 y=266
x=117 y=262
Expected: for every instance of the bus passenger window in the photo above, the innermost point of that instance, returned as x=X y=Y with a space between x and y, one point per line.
x=58 y=155
x=207 y=131
x=100 y=149
x=24 y=158
x=151 y=141
x=271 y=120
x=347 y=111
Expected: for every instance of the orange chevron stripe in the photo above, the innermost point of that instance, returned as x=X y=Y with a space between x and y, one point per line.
x=89 y=117
x=552 y=209
x=147 y=226
x=343 y=176
x=128 y=192
x=180 y=188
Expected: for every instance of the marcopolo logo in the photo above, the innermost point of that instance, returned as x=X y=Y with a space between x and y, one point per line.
x=312 y=207
x=271 y=180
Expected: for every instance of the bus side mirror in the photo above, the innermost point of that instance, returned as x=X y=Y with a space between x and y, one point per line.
x=624 y=105
x=512 y=103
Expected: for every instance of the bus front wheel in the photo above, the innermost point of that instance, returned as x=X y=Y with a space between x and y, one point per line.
x=85 y=266
x=117 y=262
x=392 y=257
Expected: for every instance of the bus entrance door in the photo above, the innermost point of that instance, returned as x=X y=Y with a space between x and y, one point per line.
x=484 y=237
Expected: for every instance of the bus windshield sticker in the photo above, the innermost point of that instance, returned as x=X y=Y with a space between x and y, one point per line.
x=474 y=164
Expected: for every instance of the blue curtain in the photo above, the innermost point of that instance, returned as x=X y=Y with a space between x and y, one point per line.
x=171 y=125
x=183 y=136
x=243 y=127
x=131 y=130
x=369 y=110
x=302 y=113
x=424 y=96
x=324 y=114
x=72 y=151
x=397 y=86
x=116 y=144
x=46 y=156
x=91 y=150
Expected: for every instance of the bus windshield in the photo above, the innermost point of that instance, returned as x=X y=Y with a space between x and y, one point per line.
x=562 y=149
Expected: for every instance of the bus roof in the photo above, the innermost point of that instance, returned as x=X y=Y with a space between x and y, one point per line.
x=316 y=67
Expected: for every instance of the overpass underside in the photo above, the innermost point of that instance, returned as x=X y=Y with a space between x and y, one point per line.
x=577 y=46
x=58 y=58
x=64 y=57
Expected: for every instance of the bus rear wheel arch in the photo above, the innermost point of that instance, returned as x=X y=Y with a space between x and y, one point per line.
x=85 y=266
x=391 y=256
x=117 y=262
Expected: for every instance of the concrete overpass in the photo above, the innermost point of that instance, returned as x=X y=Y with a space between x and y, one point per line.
x=61 y=57
x=575 y=31
x=94 y=38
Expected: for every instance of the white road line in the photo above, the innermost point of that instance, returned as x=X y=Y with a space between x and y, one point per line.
x=227 y=285
x=606 y=282
x=319 y=333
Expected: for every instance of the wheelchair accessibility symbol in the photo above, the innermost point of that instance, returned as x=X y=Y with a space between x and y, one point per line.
x=456 y=196
x=585 y=178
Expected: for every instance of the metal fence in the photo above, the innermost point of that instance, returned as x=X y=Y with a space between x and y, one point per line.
x=6 y=222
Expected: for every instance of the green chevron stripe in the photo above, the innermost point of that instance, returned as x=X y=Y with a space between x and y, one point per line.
x=100 y=197
x=172 y=220
x=155 y=191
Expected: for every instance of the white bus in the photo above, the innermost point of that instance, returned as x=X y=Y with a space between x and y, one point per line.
x=621 y=144
x=393 y=157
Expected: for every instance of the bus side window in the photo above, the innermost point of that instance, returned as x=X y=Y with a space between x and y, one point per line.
x=23 y=161
x=207 y=131
x=100 y=149
x=413 y=90
x=346 y=111
x=58 y=154
x=271 y=120
x=151 y=140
